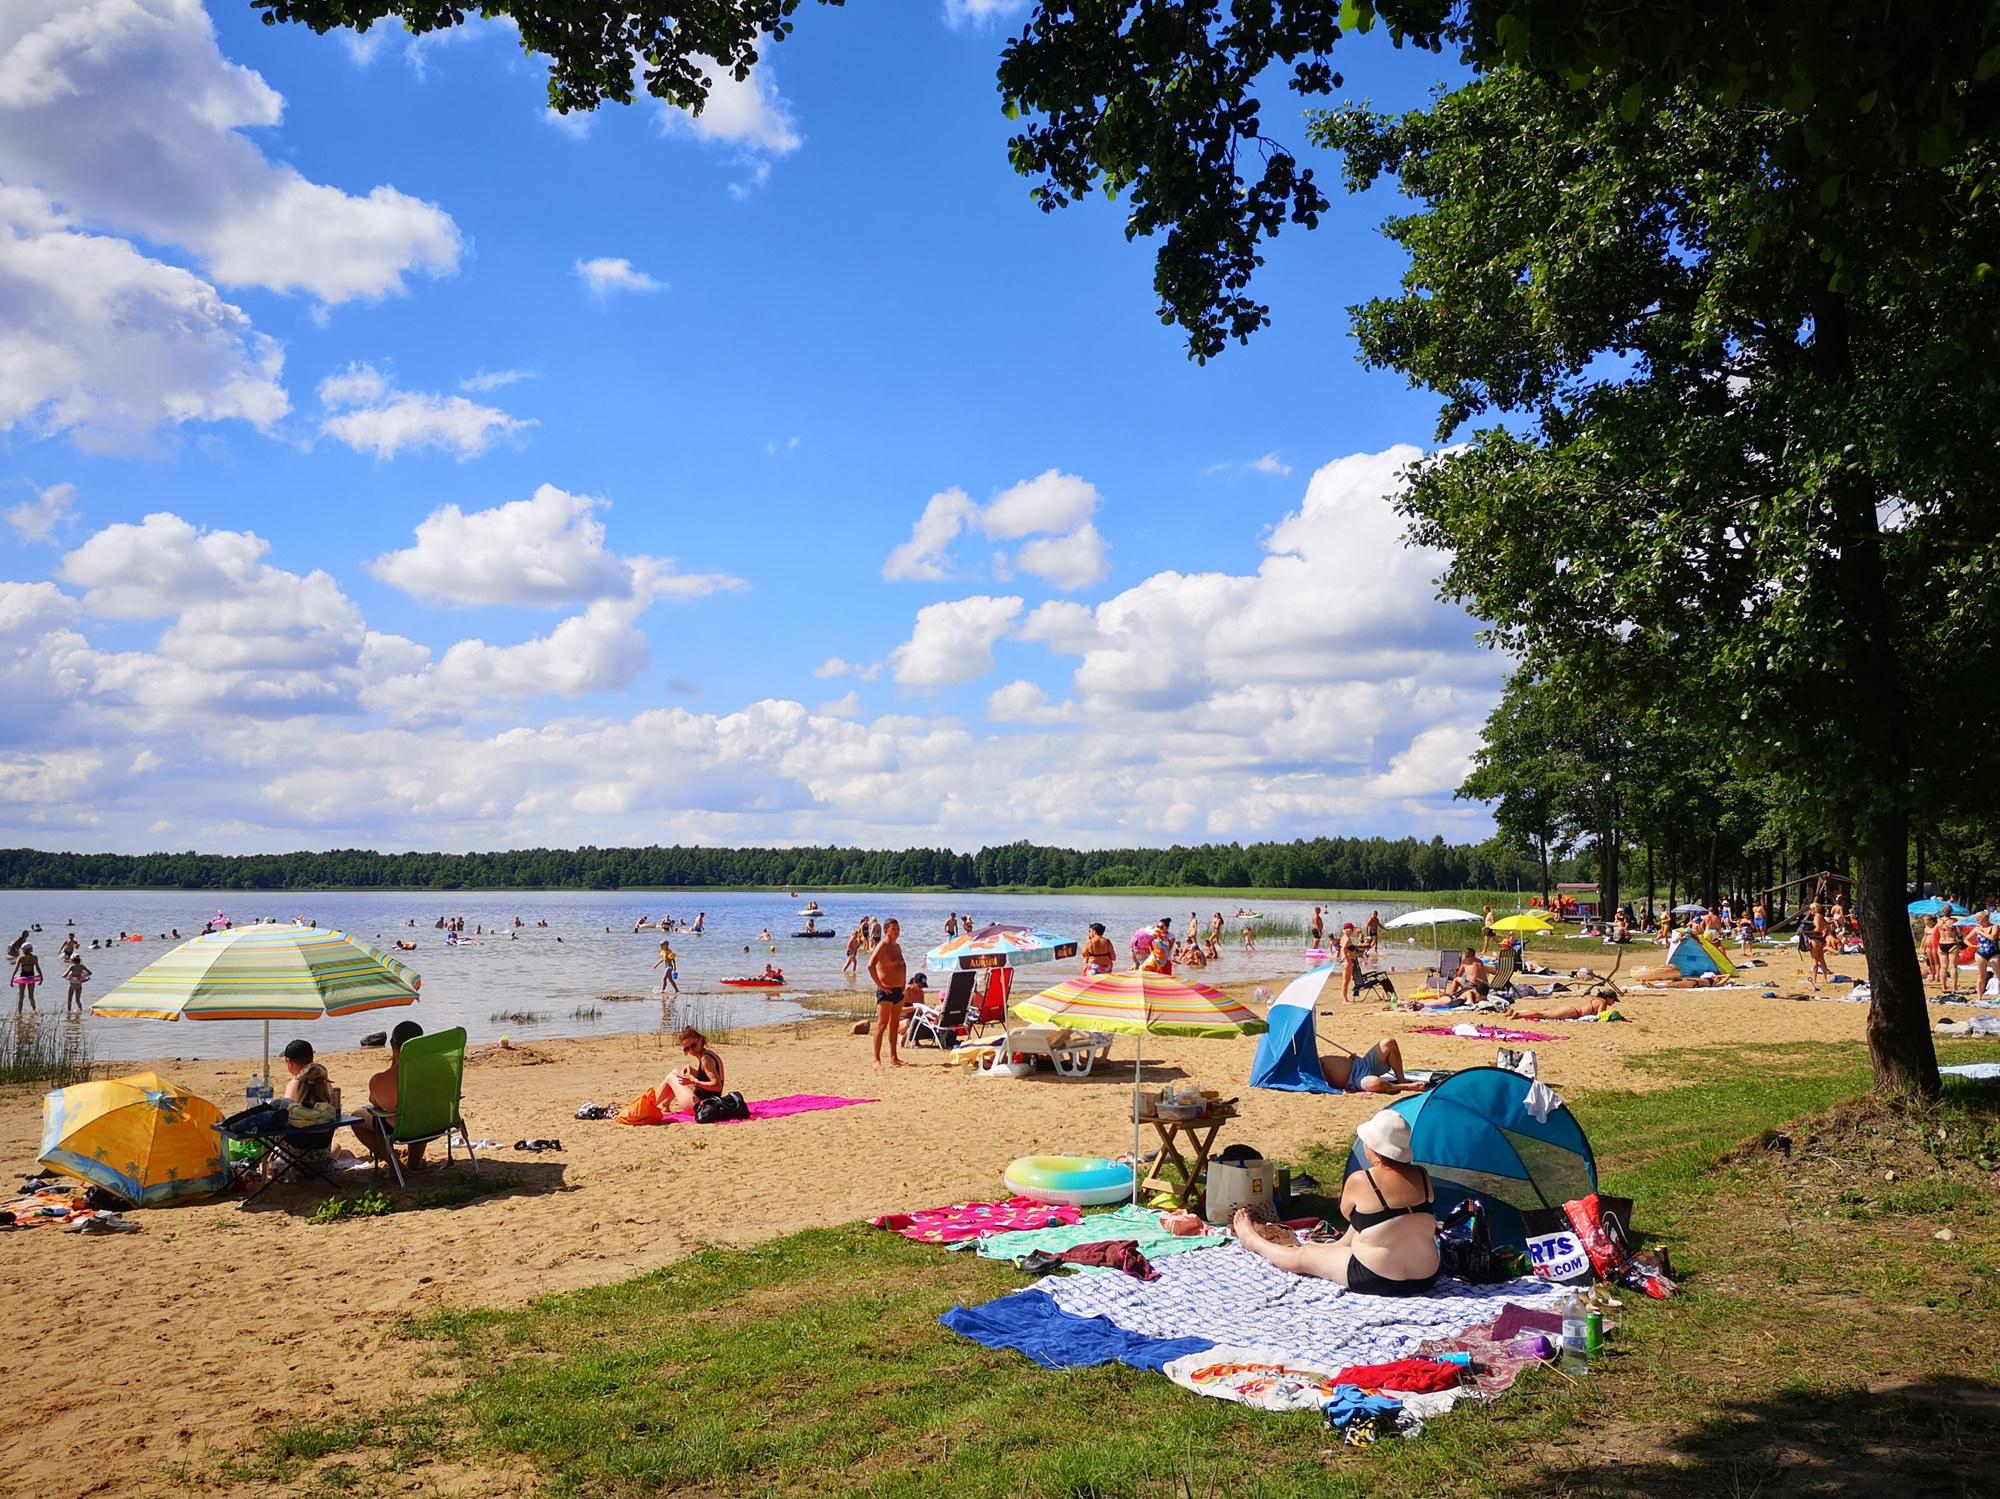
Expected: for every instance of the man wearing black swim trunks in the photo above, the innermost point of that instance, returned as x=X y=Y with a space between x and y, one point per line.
x=889 y=973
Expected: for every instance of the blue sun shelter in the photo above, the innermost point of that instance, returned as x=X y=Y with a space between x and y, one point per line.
x=1288 y=1053
x=1476 y=1136
x=1695 y=953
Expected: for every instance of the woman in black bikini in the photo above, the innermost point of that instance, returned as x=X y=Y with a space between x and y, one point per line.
x=1390 y=1247
x=702 y=1078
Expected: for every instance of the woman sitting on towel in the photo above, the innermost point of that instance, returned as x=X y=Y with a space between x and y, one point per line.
x=1377 y=1070
x=1390 y=1247
x=701 y=1078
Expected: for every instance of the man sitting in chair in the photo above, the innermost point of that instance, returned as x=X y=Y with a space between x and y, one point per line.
x=382 y=1094
x=1472 y=982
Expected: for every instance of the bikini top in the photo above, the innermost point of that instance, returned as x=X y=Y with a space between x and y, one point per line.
x=1361 y=1219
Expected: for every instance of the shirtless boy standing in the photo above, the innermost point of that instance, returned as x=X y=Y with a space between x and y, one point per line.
x=889 y=974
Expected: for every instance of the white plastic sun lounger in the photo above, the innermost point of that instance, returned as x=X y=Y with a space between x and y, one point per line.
x=1072 y=1053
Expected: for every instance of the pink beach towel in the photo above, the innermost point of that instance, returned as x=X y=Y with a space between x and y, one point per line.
x=1486 y=1033
x=958 y=1221
x=778 y=1108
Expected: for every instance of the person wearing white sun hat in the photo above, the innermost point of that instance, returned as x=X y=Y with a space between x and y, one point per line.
x=1390 y=1247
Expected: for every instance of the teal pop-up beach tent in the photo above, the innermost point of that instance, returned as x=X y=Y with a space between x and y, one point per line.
x=1474 y=1134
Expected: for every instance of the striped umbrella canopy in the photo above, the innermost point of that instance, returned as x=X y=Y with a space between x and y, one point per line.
x=268 y=971
x=1136 y=1003
x=271 y=971
x=997 y=946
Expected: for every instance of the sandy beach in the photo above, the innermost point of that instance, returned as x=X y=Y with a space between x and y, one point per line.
x=127 y=1354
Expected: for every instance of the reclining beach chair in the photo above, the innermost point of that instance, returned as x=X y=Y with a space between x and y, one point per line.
x=990 y=1006
x=1072 y=1053
x=1447 y=967
x=430 y=1072
x=943 y=1023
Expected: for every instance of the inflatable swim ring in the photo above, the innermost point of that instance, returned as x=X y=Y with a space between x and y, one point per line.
x=1072 y=1180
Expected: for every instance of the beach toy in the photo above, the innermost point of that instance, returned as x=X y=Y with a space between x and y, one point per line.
x=1142 y=940
x=1072 y=1180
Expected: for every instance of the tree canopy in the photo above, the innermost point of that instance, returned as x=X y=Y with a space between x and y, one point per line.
x=1304 y=865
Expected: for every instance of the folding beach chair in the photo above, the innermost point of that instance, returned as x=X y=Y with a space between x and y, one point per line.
x=943 y=1023
x=430 y=1071
x=1447 y=966
x=990 y=1007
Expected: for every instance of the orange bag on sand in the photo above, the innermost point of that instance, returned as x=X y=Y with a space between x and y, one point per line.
x=645 y=1109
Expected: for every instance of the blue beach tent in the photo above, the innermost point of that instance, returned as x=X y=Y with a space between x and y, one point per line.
x=1475 y=1136
x=1694 y=954
x=1287 y=1054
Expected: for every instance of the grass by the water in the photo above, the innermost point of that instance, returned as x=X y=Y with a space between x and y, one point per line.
x=46 y=1051
x=1829 y=1335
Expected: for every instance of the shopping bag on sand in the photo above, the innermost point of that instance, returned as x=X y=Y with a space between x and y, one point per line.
x=645 y=1109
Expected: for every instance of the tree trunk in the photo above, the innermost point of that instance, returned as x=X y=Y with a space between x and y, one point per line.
x=1880 y=728
x=1899 y=1027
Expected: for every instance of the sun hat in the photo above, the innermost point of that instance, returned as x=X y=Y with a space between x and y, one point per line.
x=1387 y=1134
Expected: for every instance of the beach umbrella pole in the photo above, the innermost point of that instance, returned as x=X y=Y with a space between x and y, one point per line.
x=267 y=1052
x=1138 y=1053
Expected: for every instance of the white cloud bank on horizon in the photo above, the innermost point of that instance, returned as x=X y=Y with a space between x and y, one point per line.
x=1307 y=696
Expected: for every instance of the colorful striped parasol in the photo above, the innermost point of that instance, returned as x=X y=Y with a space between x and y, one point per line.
x=999 y=946
x=1135 y=1003
x=269 y=971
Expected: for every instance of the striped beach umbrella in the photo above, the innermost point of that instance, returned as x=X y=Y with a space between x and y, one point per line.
x=999 y=946
x=1136 y=1003
x=268 y=971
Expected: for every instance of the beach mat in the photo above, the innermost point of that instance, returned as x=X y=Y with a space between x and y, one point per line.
x=1229 y=1295
x=639 y=1110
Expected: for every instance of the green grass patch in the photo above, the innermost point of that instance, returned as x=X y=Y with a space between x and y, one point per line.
x=1804 y=1218
x=370 y=1204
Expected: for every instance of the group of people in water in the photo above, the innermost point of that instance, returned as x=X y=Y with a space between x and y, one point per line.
x=26 y=975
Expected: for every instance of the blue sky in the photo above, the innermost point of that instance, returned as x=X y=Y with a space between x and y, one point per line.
x=387 y=463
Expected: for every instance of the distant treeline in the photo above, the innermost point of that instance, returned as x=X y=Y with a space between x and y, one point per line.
x=1309 y=864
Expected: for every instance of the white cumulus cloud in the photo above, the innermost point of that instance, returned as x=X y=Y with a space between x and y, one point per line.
x=546 y=550
x=39 y=519
x=606 y=274
x=126 y=113
x=953 y=642
x=108 y=345
x=1054 y=507
x=367 y=412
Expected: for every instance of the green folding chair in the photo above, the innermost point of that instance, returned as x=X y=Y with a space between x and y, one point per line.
x=430 y=1071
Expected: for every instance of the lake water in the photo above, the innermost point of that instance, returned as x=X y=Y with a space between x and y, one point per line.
x=587 y=951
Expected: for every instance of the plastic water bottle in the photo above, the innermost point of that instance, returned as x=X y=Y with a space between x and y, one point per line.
x=258 y=1091
x=1575 y=1337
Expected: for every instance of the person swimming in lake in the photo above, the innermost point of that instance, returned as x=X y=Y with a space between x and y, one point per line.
x=1390 y=1247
